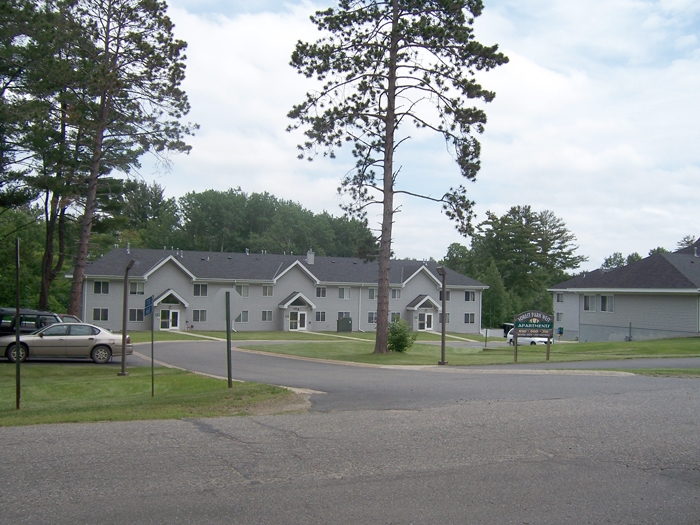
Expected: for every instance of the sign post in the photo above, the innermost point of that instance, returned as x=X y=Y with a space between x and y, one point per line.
x=533 y=323
x=148 y=310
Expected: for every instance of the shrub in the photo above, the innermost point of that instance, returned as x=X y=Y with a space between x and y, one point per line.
x=400 y=336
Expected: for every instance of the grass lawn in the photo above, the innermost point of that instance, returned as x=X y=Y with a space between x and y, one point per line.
x=422 y=354
x=87 y=393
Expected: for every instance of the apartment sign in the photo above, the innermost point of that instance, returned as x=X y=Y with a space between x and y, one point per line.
x=534 y=323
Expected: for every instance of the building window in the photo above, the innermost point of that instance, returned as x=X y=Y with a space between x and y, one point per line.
x=200 y=290
x=395 y=317
x=267 y=290
x=320 y=291
x=440 y=318
x=343 y=315
x=136 y=315
x=135 y=288
x=242 y=317
x=372 y=317
x=100 y=314
x=560 y=316
x=396 y=293
x=199 y=316
x=242 y=290
x=606 y=303
x=589 y=303
x=469 y=296
x=447 y=295
x=320 y=317
x=469 y=318
x=372 y=294
x=560 y=297
x=344 y=292
x=101 y=287
x=267 y=316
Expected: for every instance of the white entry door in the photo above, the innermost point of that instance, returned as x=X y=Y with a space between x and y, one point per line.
x=297 y=320
x=425 y=321
x=169 y=319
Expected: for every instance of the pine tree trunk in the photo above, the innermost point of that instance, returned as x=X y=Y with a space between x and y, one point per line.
x=382 y=338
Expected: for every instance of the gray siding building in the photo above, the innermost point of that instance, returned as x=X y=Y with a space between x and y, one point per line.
x=657 y=297
x=272 y=292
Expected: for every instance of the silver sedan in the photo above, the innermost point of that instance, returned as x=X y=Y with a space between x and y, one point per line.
x=67 y=340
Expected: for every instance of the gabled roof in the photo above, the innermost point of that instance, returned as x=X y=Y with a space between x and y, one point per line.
x=287 y=301
x=168 y=293
x=665 y=272
x=420 y=300
x=266 y=268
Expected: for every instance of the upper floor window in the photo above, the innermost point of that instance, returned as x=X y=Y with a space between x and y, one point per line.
x=344 y=292
x=606 y=303
x=101 y=287
x=135 y=288
x=372 y=293
x=200 y=290
x=242 y=290
x=469 y=296
x=589 y=303
x=267 y=290
x=320 y=291
x=447 y=295
x=396 y=293
x=560 y=297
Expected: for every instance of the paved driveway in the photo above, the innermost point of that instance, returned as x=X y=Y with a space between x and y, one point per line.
x=382 y=446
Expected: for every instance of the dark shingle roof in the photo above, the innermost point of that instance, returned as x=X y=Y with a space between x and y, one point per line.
x=264 y=267
x=671 y=271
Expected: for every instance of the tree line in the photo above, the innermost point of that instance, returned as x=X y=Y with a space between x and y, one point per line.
x=140 y=214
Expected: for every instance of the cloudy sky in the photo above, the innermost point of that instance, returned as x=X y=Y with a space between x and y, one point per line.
x=596 y=118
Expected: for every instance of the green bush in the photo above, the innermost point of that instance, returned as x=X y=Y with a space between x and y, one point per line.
x=400 y=336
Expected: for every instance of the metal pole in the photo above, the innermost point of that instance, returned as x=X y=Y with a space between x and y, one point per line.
x=125 y=313
x=153 y=375
x=18 y=394
x=228 y=339
x=443 y=274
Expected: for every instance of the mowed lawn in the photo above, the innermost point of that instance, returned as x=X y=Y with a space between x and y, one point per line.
x=359 y=347
x=424 y=354
x=78 y=393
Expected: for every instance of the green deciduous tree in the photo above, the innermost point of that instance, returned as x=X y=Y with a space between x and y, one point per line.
x=387 y=66
x=518 y=254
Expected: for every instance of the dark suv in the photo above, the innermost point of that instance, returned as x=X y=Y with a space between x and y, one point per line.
x=30 y=320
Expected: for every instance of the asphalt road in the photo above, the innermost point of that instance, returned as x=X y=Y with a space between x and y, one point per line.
x=379 y=445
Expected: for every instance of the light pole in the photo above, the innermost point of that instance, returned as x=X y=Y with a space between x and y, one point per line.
x=125 y=313
x=443 y=273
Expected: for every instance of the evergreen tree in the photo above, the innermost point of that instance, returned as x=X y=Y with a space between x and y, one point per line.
x=387 y=65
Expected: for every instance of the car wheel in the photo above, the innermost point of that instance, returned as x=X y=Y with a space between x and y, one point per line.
x=533 y=343
x=511 y=342
x=12 y=353
x=101 y=355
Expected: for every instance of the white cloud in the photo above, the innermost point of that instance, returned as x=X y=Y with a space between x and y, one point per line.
x=595 y=119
